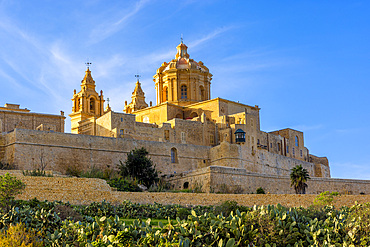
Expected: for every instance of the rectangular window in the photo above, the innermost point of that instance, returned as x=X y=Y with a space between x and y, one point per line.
x=279 y=147
x=293 y=151
x=270 y=145
x=121 y=119
x=211 y=139
x=184 y=92
x=121 y=131
x=183 y=137
x=287 y=149
x=166 y=134
x=301 y=153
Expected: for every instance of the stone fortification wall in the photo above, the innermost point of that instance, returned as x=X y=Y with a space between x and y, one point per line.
x=86 y=190
x=260 y=161
x=226 y=179
x=60 y=151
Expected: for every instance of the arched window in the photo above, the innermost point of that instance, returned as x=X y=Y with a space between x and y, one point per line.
x=296 y=141
x=184 y=92
x=92 y=105
x=173 y=155
x=202 y=93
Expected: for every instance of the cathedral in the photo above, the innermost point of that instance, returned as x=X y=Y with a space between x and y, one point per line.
x=185 y=113
x=193 y=139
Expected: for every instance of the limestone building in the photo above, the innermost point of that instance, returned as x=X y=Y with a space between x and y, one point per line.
x=186 y=114
x=12 y=116
x=194 y=139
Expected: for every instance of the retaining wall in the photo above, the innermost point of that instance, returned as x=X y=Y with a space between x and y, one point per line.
x=82 y=191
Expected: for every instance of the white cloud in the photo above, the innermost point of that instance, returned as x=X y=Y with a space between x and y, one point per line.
x=210 y=36
x=109 y=28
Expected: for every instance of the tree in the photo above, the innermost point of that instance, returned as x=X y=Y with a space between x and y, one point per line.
x=298 y=179
x=139 y=166
x=9 y=187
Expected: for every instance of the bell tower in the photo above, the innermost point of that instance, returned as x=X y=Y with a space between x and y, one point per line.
x=182 y=81
x=87 y=104
x=138 y=99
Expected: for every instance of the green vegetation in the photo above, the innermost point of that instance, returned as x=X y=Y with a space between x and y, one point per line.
x=7 y=166
x=9 y=187
x=260 y=190
x=137 y=169
x=140 y=167
x=124 y=184
x=18 y=236
x=298 y=179
x=228 y=224
x=325 y=198
x=37 y=173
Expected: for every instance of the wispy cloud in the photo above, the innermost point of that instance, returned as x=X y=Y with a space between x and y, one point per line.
x=11 y=79
x=169 y=53
x=210 y=36
x=109 y=28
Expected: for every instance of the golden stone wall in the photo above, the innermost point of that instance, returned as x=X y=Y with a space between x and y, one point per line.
x=263 y=162
x=82 y=191
x=221 y=179
x=25 y=147
x=9 y=120
x=62 y=151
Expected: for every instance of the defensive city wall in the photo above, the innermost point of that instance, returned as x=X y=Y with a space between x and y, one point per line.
x=60 y=151
x=235 y=180
x=228 y=168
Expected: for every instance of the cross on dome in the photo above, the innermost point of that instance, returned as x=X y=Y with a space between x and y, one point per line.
x=88 y=64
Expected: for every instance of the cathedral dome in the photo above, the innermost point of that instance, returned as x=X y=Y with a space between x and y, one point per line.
x=182 y=81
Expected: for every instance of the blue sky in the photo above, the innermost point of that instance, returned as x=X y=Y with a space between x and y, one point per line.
x=305 y=63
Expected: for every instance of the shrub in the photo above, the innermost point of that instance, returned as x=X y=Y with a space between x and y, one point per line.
x=73 y=171
x=124 y=184
x=37 y=173
x=139 y=166
x=67 y=212
x=226 y=208
x=18 y=236
x=260 y=190
x=325 y=198
x=183 y=213
x=7 y=166
x=9 y=188
x=100 y=173
x=358 y=226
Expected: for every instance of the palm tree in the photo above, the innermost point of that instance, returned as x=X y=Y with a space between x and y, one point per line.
x=298 y=179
